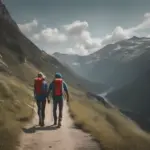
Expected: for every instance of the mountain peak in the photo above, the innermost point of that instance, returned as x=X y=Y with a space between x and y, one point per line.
x=56 y=53
x=135 y=38
x=3 y=11
x=5 y=15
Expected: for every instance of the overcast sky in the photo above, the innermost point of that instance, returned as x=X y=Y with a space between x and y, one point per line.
x=80 y=26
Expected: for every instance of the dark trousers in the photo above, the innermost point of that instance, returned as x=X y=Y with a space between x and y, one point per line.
x=59 y=103
x=41 y=107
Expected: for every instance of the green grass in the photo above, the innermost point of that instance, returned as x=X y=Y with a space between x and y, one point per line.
x=113 y=130
x=13 y=111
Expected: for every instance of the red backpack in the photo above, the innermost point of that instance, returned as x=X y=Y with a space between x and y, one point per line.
x=58 y=87
x=38 y=85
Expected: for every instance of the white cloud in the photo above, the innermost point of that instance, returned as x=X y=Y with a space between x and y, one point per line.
x=147 y=15
x=80 y=49
x=76 y=28
x=87 y=44
x=79 y=38
x=70 y=51
x=144 y=25
x=148 y=36
x=79 y=31
x=27 y=27
x=50 y=35
x=77 y=49
x=120 y=34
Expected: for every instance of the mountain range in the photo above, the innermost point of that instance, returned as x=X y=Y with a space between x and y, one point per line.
x=21 y=58
x=115 y=65
x=124 y=66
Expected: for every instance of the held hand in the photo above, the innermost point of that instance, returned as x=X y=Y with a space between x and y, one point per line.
x=67 y=99
x=48 y=101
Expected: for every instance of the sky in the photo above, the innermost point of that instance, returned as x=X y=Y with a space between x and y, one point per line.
x=80 y=26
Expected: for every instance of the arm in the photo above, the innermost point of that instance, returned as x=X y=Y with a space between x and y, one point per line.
x=49 y=90
x=66 y=90
x=45 y=87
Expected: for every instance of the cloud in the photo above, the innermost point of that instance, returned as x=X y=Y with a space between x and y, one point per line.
x=119 y=33
x=27 y=27
x=79 y=39
x=148 y=36
x=81 y=50
x=147 y=15
x=88 y=42
x=76 y=28
x=50 y=35
x=79 y=31
x=85 y=43
x=77 y=49
x=144 y=25
x=70 y=51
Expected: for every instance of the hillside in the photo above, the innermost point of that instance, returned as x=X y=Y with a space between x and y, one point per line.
x=115 y=65
x=134 y=96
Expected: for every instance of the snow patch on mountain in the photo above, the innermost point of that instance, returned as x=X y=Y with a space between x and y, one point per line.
x=132 y=47
x=76 y=64
x=117 y=48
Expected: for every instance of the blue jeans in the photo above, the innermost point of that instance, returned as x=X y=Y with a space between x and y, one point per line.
x=57 y=101
x=41 y=107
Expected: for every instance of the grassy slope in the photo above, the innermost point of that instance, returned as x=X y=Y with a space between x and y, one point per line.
x=113 y=130
x=13 y=110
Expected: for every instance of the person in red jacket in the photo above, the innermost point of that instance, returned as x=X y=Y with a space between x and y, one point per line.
x=40 y=94
x=58 y=87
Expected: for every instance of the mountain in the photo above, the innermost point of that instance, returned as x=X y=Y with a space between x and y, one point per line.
x=115 y=65
x=22 y=58
x=125 y=66
x=134 y=96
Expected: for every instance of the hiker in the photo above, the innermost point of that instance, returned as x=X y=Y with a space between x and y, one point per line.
x=58 y=87
x=40 y=93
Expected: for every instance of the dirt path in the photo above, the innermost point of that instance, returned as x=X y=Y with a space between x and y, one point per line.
x=51 y=138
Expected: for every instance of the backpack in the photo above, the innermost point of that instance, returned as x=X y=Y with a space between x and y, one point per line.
x=58 y=87
x=38 y=82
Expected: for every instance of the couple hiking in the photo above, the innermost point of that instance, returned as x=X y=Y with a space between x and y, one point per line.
x=42 y=91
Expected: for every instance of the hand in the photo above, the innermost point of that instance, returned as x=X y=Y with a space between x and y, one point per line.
x=67 y=100
x=48 y=101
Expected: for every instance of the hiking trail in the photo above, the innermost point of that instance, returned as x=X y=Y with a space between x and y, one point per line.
x=50 y=137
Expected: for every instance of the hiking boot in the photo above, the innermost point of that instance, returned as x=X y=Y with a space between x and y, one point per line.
x=39 y=123
x=55 y=123
x=59 y=124
x=42 y=123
